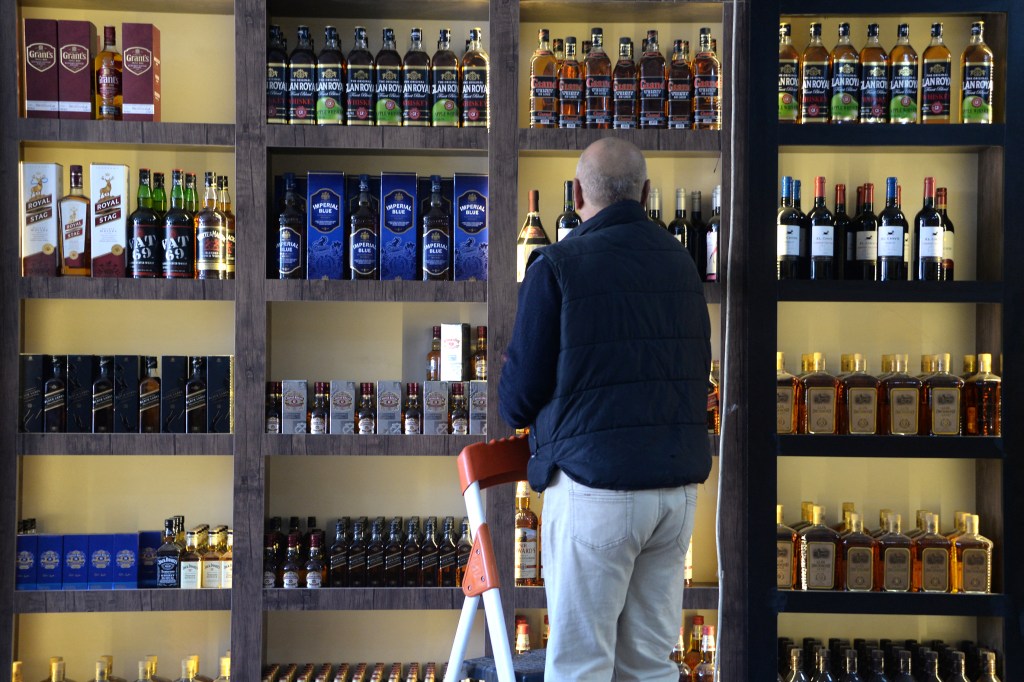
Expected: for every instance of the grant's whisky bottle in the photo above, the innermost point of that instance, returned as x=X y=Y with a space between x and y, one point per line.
x=330 y=80
x=816 y=93
x=789 y=76
x=475 y=82
x=364 y=236
x=903 y=86
x=416 y=82
x=444 y=83
x=277 y=76
x=302 y=87
x=389 y=81
x=149 y=398
x=597 y=74
x=146 y=246
x=874 y=80
x=707 y=86
x=527 y=559
x=983 y=400
x=680 y=87
x=977 y=70
x=844 y=63
x=652 y=84
x=360 y=88
x=936 y=79
x=624 y=88
x=108 y=69
x=543 y=84
x=571 y=111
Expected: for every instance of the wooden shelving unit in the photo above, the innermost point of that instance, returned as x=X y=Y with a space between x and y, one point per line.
x=101 y=601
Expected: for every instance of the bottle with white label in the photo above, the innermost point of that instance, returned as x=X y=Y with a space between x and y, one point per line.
x=900 y=400
x=893 y=570
x=191 y=564
x=531 y=237
x=890 y=237
x=941 y=400
x=712 y=232
x=819 y=548
x=931 y=557
x=788 y=225
x=826 y=251
x=972 y=559
x=929 y=238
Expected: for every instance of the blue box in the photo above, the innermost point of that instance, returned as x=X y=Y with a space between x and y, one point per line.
x=76 y=563
x=325 y=233
x=126 y=561
x=470 y=236
x=51 y=553
x=26 y=576
x=399 y=227
x=101 y=562
x=149 y=543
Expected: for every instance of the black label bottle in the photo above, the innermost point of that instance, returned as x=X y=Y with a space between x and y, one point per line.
x=277 y=76
x=302 y=81
x=330 y=80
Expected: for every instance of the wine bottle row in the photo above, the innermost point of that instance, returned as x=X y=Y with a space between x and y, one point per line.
x=354 y=672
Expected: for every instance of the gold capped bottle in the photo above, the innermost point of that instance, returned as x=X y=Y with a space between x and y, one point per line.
x=818 y=409
x=977 y=77
x=857 y=558
x=786 y=549
x=858 y=400
x=971 y=563
x=819 y=553
x=900 y=398
x=931 y=558
x=893 y=572
x=983 y=400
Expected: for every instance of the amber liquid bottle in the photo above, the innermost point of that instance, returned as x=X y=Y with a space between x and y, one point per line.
x=211 y=233
x=480 y=355
x=977 y=69
x=389 y=82
x=707 y=86
x=543 y=84
x=903 y=107
x=714 y=400
x=874 y=80
x=819 y=554
x=858 y=400
x=972 y=559
x=75 y=228
x=818 y=407
x=597 y=70
x=936 y=77
x=527 y=537
x=942 y=399
x=463 y=549
x=652 y=84
x=858 y=556
x=816 y=80
x=893 y=572
x=571 y=110
x=786 y=548
x=900 y=398
x=475 y=83
x=983 y=400
x=434 y=356
x=788 y=395
x=789 y=76
x=931 y=558
x=844 y=63
x=680 y=87
x=108 y=70
x=227 y=247
x=624 y=87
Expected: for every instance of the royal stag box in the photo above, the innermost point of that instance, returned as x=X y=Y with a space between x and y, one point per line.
x=398 y=227
x=42 y=184
x=140 y=77
x=75 y=40
x=470 y=237
x=41 y=88
x=326 y=233
x=109 y=190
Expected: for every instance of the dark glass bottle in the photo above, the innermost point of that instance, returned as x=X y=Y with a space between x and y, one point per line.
x=393 y=555
x=788 y=224
x=416 y=82
x=277 y=76
x=412 y=411
x=822 y=669
x=826 y=252
x=302 y=85
x=375 y=554
x=55 y=412
x=364 y=236
x=865 y=231
x=159 y=196
x=411 y=575
x=568 y=220
x=983 y=400
x=316 y=568
x=437 y=236
x=654 y=207
x=195 y=398
x=712 y=234
x=357 y=556
x=928 y=238
x=680 y=87
x=178 y=235
x=145 y=243
x=318 y=416
x=805 y=233
x=447 y=554
x=291 y=236
x=651 y=70
x=445 y=85
x=430 y=555
x=463 y=550
x=844 y=233
x=103 y=398
x=624 y=87
x=337 y=564
x=366 y=417
x=360 y=86
x=948 y=235
x=272 y=408
x=292 y=571
x=330 y=80
x=697 y=220
x=389 y=81
x=682 y=229
x=168 y=558
x=149 y=398
x=892 y=233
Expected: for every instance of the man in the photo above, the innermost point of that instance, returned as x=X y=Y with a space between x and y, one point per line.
x=608 y=366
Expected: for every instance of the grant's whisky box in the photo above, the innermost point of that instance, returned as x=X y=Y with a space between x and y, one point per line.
x=470 y=238
x=149 y=543
x=399 y=228
x=32 y=376
x=101 y=562
x=78 y=381
x=293 y=406
x=477 y=408
x=219 y=415
x=174 y=374
x=343 y=407
x=455 y=352
x=326 y=233
x=41 y=84
x=50 y=557
x=126 y=394
x=126 y=561
x=76 y=562
x=389 y=408
x=42 y=184
x=140 y=78
x=26 y=573
x=109 y=190
x=435 y=408
x=76 y=40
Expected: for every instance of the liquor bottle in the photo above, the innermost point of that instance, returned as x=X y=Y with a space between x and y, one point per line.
x=858 y=400
x=786 y=549
x=543 y=84
x=929 y=239
x=277 y=75
x=168 y=559
x=375 y=554
x=479 y=359
x=818 y=407
x=458 y=414
x=319 y=414
x=788 y=395
x=822 y=668
x=437 y=236
x=447 y=554
x=191 y=564
x=178 y=234
x=434 y=356
x=75 y=228
x=145 y=675
x=865 y=228
x=101 y=672
x=430 y=555
x=707 y=86
x=416 y=82
x=681 y=228
x=146 y=256
x=877 y=667
x=149 y=398
x=796 y=665
x=988 y=667
x=55 y=412
x=874 y=80
x=412 y=576
x=211 y=555
x=291 y=237
x=302 y=84
x=558 y=47
x=475 y=82
x=389 y=81
x=187 y=674
x=227 y=561
x=893 y=572
x=696 y=219
x=948 y=235
x=654 y=207
x=531 y=237
x=463 y=549
x=844 y=63
x=393 y=555
x=337 y=563
x=412 y=411
x=195 y=398
x=931 y=558
x=289 y=573
x=272 y=408
x=903 y=84
x=826 y=244
x=527 y=558
x=522 y=643
x=899 y=399
x=568 y=219
x=942 y=400
x=103 y=398
x=364 y=236
x=982 y=404
x=191 y=197
x=789 y=224
x=571 y=112
x=330 y=80
x=858 y=557
x=714 y=401
x=366 y=417
x=108 y=69
x=845 y=234
x=194 y=663
x=850 y=667
x=692 y=655
x=225 y=670
x=624 y=88
x=891 y=234
x=819 y=553
x=712 y=261
x=159 y=196
x=652 y=91
x=903 y=671
x=360 y=86
x=789 y=76
x=705 y=670
x=977 y=76
x=211 y=234
x=444 y=83
x=936 y=76
x=597 y=74
x=816 y=81
x=227 y=250
x=680 y=87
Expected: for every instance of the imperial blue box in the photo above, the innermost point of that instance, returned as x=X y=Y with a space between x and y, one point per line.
x=76 y=563
x=326 y=233
x=30 y=417
x=126 y=394
x=470 y=237
x=79 y=380
x=101 y=562
x=399 y=251
x=219 y=414
x=174 y=372
x=50 y=556
x=149 y=543
x=26 y=575
x=126 y=561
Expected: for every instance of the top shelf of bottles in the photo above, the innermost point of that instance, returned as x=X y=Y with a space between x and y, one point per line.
x=466 y=10
x=875 y=8
x=617 y=11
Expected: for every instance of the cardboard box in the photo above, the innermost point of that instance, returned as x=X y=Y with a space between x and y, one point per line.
x=126 y=394
x=149 y=543
x=455 y=352
x=26 y=575
x=477 y=408
x=50 y=556
x=326 y=234
x=32 y=375
x=389 y=408
x=41 y=70
x=435 y=407
x=42 y=185
x=109 y=190
x=76 y=563
x=220 y=416
x=399 y=227
x=79 y=378
x=76 y=40
x=140 y=77
x=101 y=562
x=343 y=407
x=126 y=561
x=293 y=406
x=174 y=373
x=469 y=240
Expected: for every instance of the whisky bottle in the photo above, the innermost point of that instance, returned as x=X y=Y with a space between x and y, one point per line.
x=788 y=225
x=145 y=675
x=290 y=572
x=389 y=81
x=108 y=70
x=270 y=562
x=858 y=400
x=191 y=564
x=977 y=76
x=412 y=576
x=705 y=670
x=858 y=557
x=844 y=63
x=277 y=75
x=393 y=555
x=928 y=239
x=796 y=666
x=558 y=47
x=227 y=247
x=819 y=553
x=55 y=412
x=434 y=356
x=531 y=237
x=360 y=86
x=815 y=77
x=931 y=558
x=463 y=549
x=416 y=82
x=522 y=644
x=475 y=82
x=330 y=80
x=101 y=672
x=970 y=367
x=707 y=86
x=652 y=84
x=364 y=236
x=597 y=74
x=874 y=80
x=319 y=414
x=149 y=398
x=714 y=401
x=818 y=409
x=446 y=557
x=195 y=398
x=786 y=546
x=571 y=111
x=145 y=245
x=624 y=88
x=788 y=395
x=430 y=555
x=178 y=234
x=225 y=670
x=444 y=82
x=211 y=578
x=903 y=85
x=168 y=557
x=712 y=260
x=302 y=85
x=315 y=570
x=654 y=208
x=337 y=563
x=366 y=417
x=211 y=235
x=103 y=398
x=437 y=236
x=789 y=76
x=936 y=77
x=680 y=87
x=159 y=196
x=543 y=84
x=941 y=400
x=971 y=560
x=227 y=561
x=806 y=514
x=826 y=243
x=458 y=415
x=983 y=400
x=568 y=219
x=412 y=411
x=988 y=667
x=291 y=236
x=527 y=559
x=899 y=398
x=75 y=228
x=891 y=236
x=272 y=408
x=692 y=655
x=822 y=667
x=480 y=355
x=893 y=572
x=865 y=231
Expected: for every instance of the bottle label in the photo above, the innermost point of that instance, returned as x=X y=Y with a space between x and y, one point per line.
x=896 y=570
x=399 y=211
x=73 y=217
x=191 y=573
x=821 y=410
x=526 y=554
x=149 y=400
x=195 y=400
x=624 y=98
x=789 y=90
x=374 y=560
x=359 y=91
x=903 y=411
x=867 y=248
x=711 y=266
x=822 y=241
x=314 y=580
x=330 y=93
x=445 y=87
x=416 y=95
x=874 y=92
x=104 y=400
x=817 y=89
x=472 y=211
x=862 y=405
x=227 y=573
x=269 y=579
x=599 y=92
x=108 y=87
x=859 y=569
x=936 y=77
x=326 y=209
x=976 y=570
x=302 y=93
x=364 y=252
x=211 y=575
x=317 y=424
x=436 y=253
x=680 y=105
x=460 y=426
x=784 y=407
x=291 y=580
x=543 y=98
x=652 y=101
x=367 y=426
x=289 y=252
x=179 y=251
x=273 y=424
x=389 y=96
x=210 y=248
x=977 y=91
x=411 y=426
x=945 y=404
x=474 y=95
x=783 y=564
x=166 y=571
x=277 y=93
x=523 y=252
x=570 y=94
x=935 y=570
x=903 y=93
x=707 y=107
x=146 y=259
x=787 y=240
x=820 y=561
x=930 y=241
x=845 y=91
x=890 y=241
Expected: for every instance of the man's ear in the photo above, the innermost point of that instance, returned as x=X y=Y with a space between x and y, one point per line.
x=577 y=194
x=645 y=191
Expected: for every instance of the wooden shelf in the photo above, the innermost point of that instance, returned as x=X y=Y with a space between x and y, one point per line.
x=580 y=11
x=356 y=445
x=107 y=133
x=902 y=8
x=441 y=10
x=938 y=447
x=391 y=291
x=125 y=444
x=120 y=289
x=890 y=137
x=380 y=138
x=701 y=596
x=362 y=599
x=559 y=140
x=96 y=601
x=891 y=292
x=913 y=604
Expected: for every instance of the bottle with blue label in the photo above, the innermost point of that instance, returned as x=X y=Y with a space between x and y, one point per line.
x=291 y=236
x=364 y=236
x=437 y=236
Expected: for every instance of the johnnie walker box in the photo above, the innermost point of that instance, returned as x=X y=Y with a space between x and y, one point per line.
x=219 y=418
x=78 y=382
x=126 y=394
x=343 y=407
x=399 y=252
x=326 y=233
x=140 y=78
x=174 y=373
x=32 y=376
x=41 y=88
x=42 y=185
x=469 y=241
x=76 y=40
x=109 y=190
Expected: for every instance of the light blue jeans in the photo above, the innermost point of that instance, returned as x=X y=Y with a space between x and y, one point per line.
x=613 y=572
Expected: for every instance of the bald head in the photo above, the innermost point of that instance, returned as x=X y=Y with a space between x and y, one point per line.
x=609 y=170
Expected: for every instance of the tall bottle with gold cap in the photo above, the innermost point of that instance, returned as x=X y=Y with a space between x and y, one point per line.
x=819 y=550
x=941 y=400
x=788 y=391
x=931 y=558
x=983 y=400
x=900 y=400
x=786 y=552
x=818 y=409
x=971 y=564
x=858 y=399
x=151 y=662
x=857 y=558
x=893 y=572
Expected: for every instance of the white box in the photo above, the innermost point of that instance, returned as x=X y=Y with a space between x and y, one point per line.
x=454 y=352
x=42 y=186
x=477 y=408
x=293 y=406
x=109 y=191
x=343 y=406
x=389 y=408
x=435 y=408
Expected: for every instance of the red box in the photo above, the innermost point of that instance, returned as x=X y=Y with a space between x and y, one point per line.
x=140 y=77
x=76 y=40
x=41 y=100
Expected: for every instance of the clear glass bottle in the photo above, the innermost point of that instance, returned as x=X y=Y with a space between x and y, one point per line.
x=705 y=670
x=571 y=110
x=597 y=74
x=931 y=558
x=434 y=356
x=654 y=207
x=479 y=358
x=527 y=558
x=652 y=87
x=458 y=414
x=816 y=79
x=707 y=85
x=788 y=396
x=977 y=77
x=412 y=411
x=212 y=564
x=75 y=228
x=360 y=84
x=191 y=563
x=819 y=553
x=225 y=670
x=366 y=416
x=941 y=400
x=475 y=82
x=319 y=414
x=983 y=400
x=858 y=557
x=712 y=233
x=389 y=81
x=144 y=672
x=903 y=83
x=330 y=80
x=444 y=83
x=108 y=70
